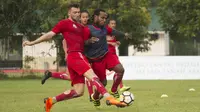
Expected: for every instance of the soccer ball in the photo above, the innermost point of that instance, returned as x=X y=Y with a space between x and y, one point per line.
x=127 y=97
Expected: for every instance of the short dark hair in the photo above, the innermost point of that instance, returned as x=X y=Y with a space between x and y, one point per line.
x=97 y=12
x=75 y=5
x=111 y=20
x=85 y=11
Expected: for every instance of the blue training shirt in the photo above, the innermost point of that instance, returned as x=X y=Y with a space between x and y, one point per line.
x=99 y=48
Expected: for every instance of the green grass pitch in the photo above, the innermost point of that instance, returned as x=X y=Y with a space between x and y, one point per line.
x=27 y=96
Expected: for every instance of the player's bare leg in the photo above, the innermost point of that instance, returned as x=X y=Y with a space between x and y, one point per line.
x=90 y=75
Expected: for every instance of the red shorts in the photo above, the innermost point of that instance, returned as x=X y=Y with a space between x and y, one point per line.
x=77 y=66
x=115 y=55
x=107 y=62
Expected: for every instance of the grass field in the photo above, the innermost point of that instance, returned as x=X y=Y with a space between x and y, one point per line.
x=27 y=96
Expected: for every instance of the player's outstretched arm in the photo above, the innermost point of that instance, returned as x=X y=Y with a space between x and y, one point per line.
x=117 y=34
x=110 y=42
x=113 y=43
x=120 y=34
x=44 y=37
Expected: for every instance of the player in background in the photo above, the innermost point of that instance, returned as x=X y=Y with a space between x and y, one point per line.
x=65 y=73
x=78 y=65
x=112 y=44
x=97 y=52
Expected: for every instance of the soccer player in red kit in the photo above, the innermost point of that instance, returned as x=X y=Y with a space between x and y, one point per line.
x=65 y=75
x=78 y=65
x=97 y=52
x=112 y=44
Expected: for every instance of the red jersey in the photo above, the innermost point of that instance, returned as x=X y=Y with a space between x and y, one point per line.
x=112 y=48
x=72 y=33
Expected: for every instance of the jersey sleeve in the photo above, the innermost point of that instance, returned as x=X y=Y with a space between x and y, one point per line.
x=58 y=27
x=115 y=33
x=109 y=30
x=86 y=33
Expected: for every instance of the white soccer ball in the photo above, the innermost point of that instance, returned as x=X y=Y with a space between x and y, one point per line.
x=127 y=97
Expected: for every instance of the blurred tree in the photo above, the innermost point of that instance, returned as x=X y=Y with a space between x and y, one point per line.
x=181 y=19
x=30 y=17
x=36 y=16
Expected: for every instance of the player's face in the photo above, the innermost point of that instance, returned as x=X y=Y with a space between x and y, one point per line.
x=84 y=18
x=112 y=24
x=74 y=14
x=102 y=18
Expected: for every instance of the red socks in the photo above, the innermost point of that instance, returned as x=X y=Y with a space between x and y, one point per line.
x=89 y=86
x=98 y=85
x=60 y=75
x=116 y=81
x=63 y=96
x=121 y=84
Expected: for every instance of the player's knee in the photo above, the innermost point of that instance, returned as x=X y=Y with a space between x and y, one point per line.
x=79 y=93
x=79 y=89
x=121 y=70
x=95 y=78
x=104 y=82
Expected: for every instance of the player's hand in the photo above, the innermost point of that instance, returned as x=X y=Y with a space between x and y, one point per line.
x=118 y=43
x=66 y=57
x=94 y=39
x=27 y=43
x=113 y=43
x=127 y=36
